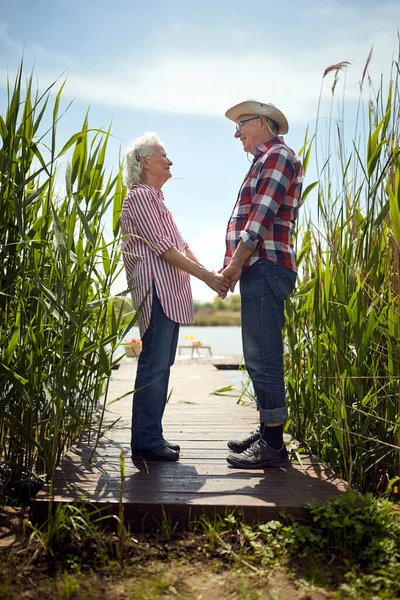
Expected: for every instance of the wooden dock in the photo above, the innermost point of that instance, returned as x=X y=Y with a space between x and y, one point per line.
x=201 y=482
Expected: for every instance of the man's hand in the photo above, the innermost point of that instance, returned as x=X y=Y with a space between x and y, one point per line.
x=233 y=273
x=218 y=283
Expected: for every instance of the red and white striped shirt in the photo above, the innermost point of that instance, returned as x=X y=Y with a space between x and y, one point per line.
x=150 y=230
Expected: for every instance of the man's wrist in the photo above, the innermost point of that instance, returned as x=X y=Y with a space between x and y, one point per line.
x=235 y=262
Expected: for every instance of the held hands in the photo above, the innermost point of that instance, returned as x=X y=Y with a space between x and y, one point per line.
x=225 y=280
x=218 y=283
x=233 y=273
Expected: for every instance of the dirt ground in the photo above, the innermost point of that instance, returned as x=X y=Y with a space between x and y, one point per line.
x=193 y=580
x=151 y=569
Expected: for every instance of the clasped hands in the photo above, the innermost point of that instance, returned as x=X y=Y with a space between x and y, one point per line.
x=226 y=279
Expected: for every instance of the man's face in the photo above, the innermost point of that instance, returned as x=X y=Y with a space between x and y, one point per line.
x=250 y=134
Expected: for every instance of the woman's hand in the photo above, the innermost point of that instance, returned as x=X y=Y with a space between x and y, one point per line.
x=215 y=281
x=218 y=283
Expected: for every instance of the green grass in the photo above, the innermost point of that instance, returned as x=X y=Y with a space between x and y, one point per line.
x=350 y=548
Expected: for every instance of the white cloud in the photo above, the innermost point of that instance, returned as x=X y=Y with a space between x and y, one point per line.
x=203 y=85
x=206 y=84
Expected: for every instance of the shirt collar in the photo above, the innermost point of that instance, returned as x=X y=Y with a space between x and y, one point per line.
x=262 y=148
x=157 y=190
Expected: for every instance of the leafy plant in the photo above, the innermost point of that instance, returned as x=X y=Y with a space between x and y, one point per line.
x=357 y=527
x=343 y=322
x=59 y=324
x=351 y=544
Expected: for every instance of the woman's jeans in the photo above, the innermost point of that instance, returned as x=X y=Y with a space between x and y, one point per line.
x=151 y=386
x=264 y=288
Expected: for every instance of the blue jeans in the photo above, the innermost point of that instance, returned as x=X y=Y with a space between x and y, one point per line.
x=264 y=288
x=157 y=356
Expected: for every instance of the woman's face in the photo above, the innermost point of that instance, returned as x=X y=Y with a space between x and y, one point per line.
x=159 y=164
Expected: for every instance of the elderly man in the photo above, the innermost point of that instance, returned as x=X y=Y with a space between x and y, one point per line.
x=158 y=262
x=259 y=253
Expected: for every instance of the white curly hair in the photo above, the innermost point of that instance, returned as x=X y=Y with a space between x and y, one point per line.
x=142 y=146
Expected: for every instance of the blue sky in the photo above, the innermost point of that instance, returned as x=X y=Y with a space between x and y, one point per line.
x=175 y=66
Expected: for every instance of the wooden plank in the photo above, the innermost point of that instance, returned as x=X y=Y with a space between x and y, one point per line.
x=187 y=455
x=282 y=501
x=74 y=463
x=118 y=443
x=193 y=480
x=201 y=482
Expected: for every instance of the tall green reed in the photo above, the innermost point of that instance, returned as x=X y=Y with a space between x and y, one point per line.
x=343 y=332
x=59 y=324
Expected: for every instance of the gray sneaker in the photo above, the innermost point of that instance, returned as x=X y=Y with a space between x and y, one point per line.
x=260 y=456
x=242 y=445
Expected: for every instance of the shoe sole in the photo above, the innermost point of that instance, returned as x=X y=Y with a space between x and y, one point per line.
x=265 y=465
x=142 y=454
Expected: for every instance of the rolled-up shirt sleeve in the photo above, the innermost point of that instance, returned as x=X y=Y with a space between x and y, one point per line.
x=272 y=182
x=145 y=213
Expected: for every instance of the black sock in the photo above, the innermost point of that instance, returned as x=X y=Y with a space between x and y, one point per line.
x=272 y=435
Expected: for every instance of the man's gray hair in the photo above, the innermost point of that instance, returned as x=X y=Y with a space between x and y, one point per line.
x=142 y=146
x=272 y=127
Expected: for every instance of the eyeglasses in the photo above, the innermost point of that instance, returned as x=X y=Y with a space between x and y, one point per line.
x=138 y=156
x=160 y=156
x=239 y=124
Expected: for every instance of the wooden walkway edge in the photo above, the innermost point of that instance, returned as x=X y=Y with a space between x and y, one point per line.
x=201 y=482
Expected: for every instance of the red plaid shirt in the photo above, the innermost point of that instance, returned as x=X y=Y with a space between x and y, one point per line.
x=268 y=203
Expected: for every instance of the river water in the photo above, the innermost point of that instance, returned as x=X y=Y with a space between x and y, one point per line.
x=223 y=340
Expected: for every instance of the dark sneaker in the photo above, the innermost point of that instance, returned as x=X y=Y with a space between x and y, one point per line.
x=242 y=445
x=260 y=456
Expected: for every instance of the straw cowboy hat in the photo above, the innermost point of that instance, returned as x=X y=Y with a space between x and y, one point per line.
x=253 y=107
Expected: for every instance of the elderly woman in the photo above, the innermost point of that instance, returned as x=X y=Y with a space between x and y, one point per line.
x=158 y=263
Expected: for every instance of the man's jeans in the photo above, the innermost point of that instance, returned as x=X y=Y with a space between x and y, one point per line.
x=157 y=356
x=264 y=288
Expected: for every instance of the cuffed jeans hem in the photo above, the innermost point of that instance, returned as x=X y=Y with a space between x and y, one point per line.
x=273 y=415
